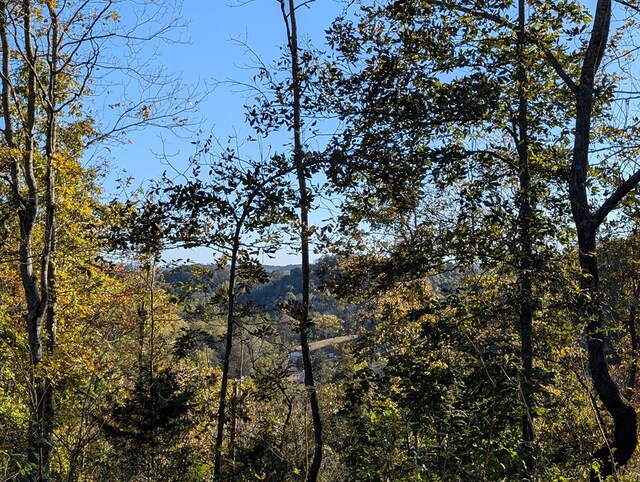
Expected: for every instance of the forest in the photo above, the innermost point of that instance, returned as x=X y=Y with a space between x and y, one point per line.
x=459 y=181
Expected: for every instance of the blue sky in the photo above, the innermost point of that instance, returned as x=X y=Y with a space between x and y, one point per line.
x=210 y=51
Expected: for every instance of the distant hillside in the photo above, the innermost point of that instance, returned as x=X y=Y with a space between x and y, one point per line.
x=270 y=268
x=213 y=275
x=284 y=286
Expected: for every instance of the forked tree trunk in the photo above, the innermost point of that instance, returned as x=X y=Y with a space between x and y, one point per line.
x=620 y=448
x=39 y=283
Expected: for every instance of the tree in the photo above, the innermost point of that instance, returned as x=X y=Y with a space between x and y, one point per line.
x=302 y=169
x=450 y=97
x=50 y=54
x=286 y=103
x=451 y=100
x=236 y=213
x=588 y=219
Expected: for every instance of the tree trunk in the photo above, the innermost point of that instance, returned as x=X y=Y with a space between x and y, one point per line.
x=304 y=321
x=635 y=340
x=525 y=264
x=619 y=450
x=39 y=285
x=231 y=300
x=37 y=296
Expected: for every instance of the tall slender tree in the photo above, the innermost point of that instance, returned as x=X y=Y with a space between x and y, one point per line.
x=526 y=205
x=236 y=213
x=302 y=172
x=21 y=107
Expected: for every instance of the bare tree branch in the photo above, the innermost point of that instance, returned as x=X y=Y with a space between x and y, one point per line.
x=614 y=199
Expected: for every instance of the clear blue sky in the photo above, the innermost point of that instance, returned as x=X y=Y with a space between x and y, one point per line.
x=210 y=52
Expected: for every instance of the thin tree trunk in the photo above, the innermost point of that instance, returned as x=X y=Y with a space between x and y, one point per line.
x=525 y=208
x=631 y=320
x=231 y=300
x=48 y=273
x=233 y=429
x=635 y=345
x=299 y=163
x=151 y=279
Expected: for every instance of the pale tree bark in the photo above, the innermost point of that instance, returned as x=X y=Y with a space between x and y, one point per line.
x=37 y=282
x=50 y=53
